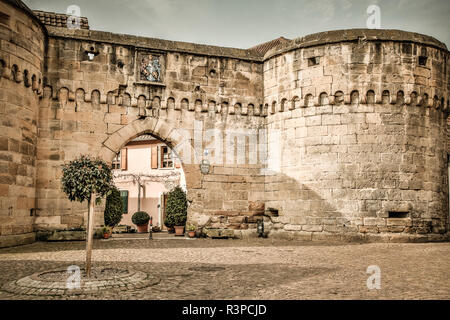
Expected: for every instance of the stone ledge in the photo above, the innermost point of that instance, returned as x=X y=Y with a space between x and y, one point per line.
x=231 y=213
x=61 y=235
x=350 y=237
x=17 y=239
x=219 y=233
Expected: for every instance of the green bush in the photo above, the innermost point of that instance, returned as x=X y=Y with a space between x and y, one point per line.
x=113 y=208
x=176 y=208
x=140 y=218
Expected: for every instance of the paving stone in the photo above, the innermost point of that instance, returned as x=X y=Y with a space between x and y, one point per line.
x=199 y=269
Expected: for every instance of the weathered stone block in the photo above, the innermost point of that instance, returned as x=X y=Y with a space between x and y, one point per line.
x=218 y=233
x=399 y=222
x=312 y=228
x=374 y=221
x=325 y=236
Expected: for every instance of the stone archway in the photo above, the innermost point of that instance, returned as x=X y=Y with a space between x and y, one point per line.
x=156 y=127
x=175 y=138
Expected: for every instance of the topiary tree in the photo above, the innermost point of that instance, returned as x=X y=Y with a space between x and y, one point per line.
x=87 y=179
x=113 y=208
x=176 y=208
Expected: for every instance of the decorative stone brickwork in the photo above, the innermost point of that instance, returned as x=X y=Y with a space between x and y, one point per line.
x=339 y=134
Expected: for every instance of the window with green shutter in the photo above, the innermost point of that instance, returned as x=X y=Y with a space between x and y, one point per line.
x=124 y=196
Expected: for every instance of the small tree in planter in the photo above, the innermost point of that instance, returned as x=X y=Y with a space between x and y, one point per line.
x=113 y=208
x=85 y=179
x=141 y=219
x=191 y=230
x=176 y=210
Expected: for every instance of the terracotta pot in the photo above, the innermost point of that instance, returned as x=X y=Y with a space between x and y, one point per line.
x=191 y=234
x=106 y=235
x=179 y=230
x=142 y=228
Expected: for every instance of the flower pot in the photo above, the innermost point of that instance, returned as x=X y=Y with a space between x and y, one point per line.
x=171 y=230
x=191 y=234
x=142 y=228
x=179 y=230
x=106 y=235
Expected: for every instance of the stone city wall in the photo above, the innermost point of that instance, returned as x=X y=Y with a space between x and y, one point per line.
x=359 y=125
x=22 y=45
x=97 y=106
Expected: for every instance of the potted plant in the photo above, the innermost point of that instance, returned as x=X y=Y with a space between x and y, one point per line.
x=141 y=219
x=176 y=210
x=191 y=230
x=88 y=179
x=106 y=232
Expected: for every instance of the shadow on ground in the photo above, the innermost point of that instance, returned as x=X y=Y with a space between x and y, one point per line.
x=179 y=280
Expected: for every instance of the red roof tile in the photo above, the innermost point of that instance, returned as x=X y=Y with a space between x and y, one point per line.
x=58 y=19
x=266 y=46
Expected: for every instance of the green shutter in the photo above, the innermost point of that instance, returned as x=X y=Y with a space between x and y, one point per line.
x=124 y=196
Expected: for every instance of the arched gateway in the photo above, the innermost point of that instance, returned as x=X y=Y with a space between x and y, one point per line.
x=164 y=132
x=337 y=135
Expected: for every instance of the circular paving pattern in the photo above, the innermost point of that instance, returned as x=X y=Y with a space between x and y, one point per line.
x=63 y=282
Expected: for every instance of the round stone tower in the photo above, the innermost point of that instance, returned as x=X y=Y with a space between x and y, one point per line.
x=357 y=132
x=21 y=66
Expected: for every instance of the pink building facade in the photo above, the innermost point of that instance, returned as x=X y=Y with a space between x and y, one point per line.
x=148 y=165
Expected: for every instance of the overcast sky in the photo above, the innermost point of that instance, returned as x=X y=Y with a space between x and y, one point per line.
x=245 y=23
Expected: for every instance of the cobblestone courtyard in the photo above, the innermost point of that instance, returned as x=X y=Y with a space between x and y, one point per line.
x=248 y=269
